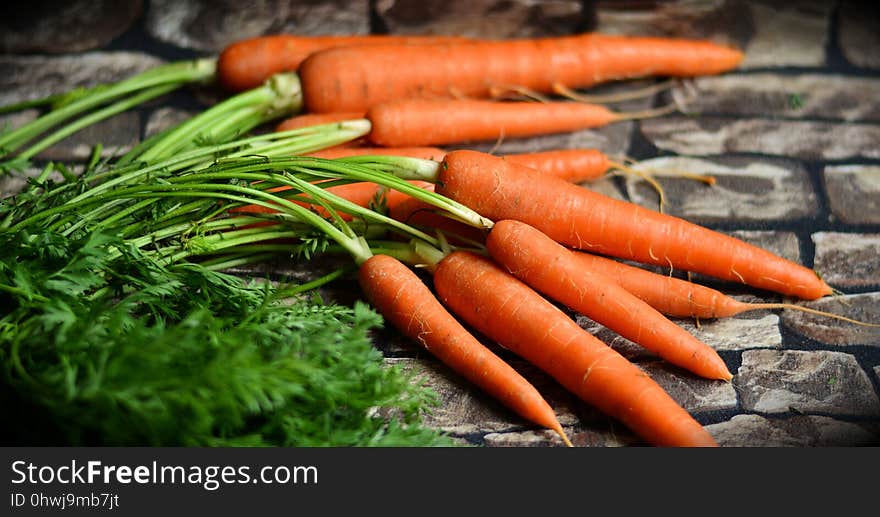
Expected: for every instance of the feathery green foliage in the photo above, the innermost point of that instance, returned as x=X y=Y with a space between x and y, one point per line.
x=101 y=348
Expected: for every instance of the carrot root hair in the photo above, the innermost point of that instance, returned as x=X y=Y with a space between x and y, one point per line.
x=638 y=93
x=809 y=310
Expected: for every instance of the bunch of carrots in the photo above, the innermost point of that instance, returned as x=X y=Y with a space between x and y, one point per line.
x=506 y=237
x=549 y=239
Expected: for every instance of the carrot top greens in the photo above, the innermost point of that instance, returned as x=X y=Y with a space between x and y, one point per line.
x=118 y=328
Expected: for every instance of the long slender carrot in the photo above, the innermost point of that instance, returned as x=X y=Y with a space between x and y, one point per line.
x=415 y=121
x=555 y=271
x=402 y=298
x=358 y=77
x=245 y=64
x=681 y=298
x=587 y=220
x=511 y=313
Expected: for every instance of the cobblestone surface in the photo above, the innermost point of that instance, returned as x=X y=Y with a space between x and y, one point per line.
x=791 y=138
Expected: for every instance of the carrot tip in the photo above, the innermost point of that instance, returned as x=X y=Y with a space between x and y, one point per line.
x=561 y=433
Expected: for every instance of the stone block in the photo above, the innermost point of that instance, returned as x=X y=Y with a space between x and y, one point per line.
x=33 y=77
x=746 y=189
x=746 y=430
x=465 y=410
x=694 y=394
x=853 y=193
x=211 y=25
x=62 y=27
x=818 y=382
x=861 y=307
x=848 y=260
x=807 y=140
x=766 y=94
x=493 y=19
x=858 y=33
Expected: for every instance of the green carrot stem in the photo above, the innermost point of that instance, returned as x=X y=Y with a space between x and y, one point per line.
x=179 y=74
x=96 y=116
x=279 y=95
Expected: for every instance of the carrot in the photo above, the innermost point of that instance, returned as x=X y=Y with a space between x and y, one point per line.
x=412 y=122
x=511 y=313
x=550 y=268
x=580 y=218
x=247 y=63
x=358 y=77
x=401 y=297
x=681 y=298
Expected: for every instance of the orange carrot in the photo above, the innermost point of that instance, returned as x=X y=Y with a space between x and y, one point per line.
x=410 y=122
x=572 y=165
x=357 y=77
x=247 y=63
x=550 y=268
x=401 y=297
x=511 y=313
x=681 y=298
x=580 y=218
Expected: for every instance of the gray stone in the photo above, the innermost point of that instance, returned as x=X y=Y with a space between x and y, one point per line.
x=116 y=134
x=725 y=334
x=787 y=33
x=211 y=25
x=798 y=431
x=32 y=77
x=694 y=394
x=772 y=381
x=745 y=190
x=848 y=259
x=771 y=32
x=544 y=438
x=165 y=118
x=776 y=95
x=580 y=437
x=861 y=307
x=784 y=244
x=853 y=193
x=61 y=27
x=859 y=32
x=464 y=409
x=482 y=18
x=808 y=140
x=678 y=19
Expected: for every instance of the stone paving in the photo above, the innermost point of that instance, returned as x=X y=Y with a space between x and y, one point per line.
x=792 y=138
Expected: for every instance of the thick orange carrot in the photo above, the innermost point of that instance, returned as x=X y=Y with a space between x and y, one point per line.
x=580 y=218
x=555 y=271
x=401 y=297
x=511 y=313
x=409 y=122
x=357 y=77
x=247 y=63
